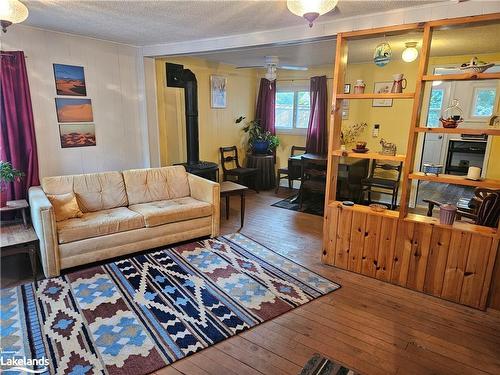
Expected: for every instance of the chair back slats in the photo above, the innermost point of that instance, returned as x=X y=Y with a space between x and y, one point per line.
x=229 y=155
x=489 y=210
x=381 y=169
x=297 y=150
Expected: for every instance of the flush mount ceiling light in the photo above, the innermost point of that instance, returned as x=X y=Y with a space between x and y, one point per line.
x=12 y=11
x=410 y=53
x=310 y=9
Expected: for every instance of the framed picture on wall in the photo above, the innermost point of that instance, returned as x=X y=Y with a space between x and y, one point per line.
x=70 y=80
x=382 y=88
x=74 y=110
x=218 y=93
x=77 y=135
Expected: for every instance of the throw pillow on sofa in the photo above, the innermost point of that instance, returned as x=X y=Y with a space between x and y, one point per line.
x=65 y=206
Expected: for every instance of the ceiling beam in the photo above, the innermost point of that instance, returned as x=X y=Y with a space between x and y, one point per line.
x=421 y=13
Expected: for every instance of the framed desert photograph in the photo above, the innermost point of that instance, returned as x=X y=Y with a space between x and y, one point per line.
x=70 y=80
x=382 y=88
x=74 y=110
x=77 y=135
x=218 y=93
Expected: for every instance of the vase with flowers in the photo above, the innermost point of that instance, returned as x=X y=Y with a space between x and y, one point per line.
x=350 y=134
x=8 y=174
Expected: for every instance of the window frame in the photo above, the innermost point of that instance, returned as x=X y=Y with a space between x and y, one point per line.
x=294 y=129
x=474 y=102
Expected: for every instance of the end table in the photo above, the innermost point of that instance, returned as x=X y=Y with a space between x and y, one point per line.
x=19 y=239
x=19 y=205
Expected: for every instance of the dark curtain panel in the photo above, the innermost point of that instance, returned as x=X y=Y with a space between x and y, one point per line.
x=265 y=105
x=17 y=144
x=317 y=139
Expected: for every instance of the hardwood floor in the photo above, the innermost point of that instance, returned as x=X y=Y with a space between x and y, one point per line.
x=367 y=325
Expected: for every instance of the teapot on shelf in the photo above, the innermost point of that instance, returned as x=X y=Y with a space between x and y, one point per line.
x=399 y=83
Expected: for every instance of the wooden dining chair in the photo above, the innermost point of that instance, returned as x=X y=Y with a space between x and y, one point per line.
x=228 y=156
x=291 y=173
x=383 y=179
x=313 y=177
x=483 y=208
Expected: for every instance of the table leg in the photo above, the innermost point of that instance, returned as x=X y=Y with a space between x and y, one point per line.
x=242 y=208
x=33 y=256
x=25 y=219
x=227 y=207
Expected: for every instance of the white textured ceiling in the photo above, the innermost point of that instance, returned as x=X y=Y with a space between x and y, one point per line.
x=472 y=40
x=152 y=22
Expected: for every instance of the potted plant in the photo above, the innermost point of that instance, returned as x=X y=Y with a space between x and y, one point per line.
x=259 y=141
x=8 y=174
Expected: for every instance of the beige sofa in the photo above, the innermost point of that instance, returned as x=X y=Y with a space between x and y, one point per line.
x=123 y=212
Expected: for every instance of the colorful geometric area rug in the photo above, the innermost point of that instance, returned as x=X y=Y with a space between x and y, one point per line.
x=137 y=315
x=319 y=365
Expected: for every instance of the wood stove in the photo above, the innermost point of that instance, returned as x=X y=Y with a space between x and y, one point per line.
x=177 y=76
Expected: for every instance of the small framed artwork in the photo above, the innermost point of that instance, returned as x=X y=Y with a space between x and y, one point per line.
x=70 y=80
x=347 y=88
x=77 y=135
x=218 y=93
x=382 y=88
x=74 y=110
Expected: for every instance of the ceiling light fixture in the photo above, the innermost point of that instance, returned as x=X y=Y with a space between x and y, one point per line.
x=310 y=9
x=410 y=53
x=12 y=11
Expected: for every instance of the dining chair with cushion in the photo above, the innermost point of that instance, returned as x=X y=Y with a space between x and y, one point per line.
x=313 y=177
x=383 y=179
x=291 y=173
x=244 y=176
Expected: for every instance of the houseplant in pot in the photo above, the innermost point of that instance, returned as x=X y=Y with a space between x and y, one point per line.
x=8 y=174
x=259 y=141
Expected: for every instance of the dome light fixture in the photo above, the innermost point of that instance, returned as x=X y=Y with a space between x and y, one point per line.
x=310 y=9
x=410 y=53
x=12 y=11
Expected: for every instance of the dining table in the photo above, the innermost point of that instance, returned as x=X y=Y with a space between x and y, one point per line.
x=350 y=173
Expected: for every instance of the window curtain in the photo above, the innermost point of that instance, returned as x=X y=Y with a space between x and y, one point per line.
x=265 y=105
x=17 y=144
x=317 y=139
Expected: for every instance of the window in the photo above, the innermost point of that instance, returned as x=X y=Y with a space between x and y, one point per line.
x=292 y=109
x=435 y=106
x=483 y=102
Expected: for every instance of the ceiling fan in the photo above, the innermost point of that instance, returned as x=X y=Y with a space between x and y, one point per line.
x=272 y=64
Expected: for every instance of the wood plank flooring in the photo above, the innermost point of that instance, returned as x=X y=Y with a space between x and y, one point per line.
x=368 y=325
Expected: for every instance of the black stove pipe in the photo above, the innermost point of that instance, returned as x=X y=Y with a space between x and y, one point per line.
x=191 y=111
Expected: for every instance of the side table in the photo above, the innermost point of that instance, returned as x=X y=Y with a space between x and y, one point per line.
x=265 y=165
x=19 y=205
x=18 y=239
x=228 y=188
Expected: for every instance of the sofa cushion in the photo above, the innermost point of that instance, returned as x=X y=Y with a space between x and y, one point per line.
x=94 y=224
x=172 y=210
x=156 y=184
x=94 y=191
x=65 y=206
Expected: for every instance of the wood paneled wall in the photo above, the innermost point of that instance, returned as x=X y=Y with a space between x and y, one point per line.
x=442 y=261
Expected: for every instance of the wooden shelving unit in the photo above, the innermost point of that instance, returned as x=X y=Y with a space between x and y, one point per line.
x=404 y=95
x=368 y=155
x=460 y=77
x=410 y=250
x=456 y=180
x=482 y=131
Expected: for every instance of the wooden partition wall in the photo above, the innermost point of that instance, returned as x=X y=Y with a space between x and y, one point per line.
x=454 y=262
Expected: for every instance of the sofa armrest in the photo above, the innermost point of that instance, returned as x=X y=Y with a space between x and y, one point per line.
x=44 y=224
x=207 y=191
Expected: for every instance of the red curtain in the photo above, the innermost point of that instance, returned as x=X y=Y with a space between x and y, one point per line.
x=265 y=105
x=17 y=144
x=317 y=138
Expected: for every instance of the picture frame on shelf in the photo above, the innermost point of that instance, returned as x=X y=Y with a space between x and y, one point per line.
x=347 y=88
x=382 y=88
